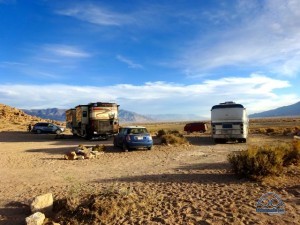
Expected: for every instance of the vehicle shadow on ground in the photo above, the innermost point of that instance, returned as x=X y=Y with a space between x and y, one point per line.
x=200 y=140
x=23 y=136
x=64 y=150
x=63 y=139
x=14 y=213
x=52 y=151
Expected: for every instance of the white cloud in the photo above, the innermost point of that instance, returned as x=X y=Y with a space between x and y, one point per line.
x=65 y=51
x=267 y=36
x=12 y=64
x=256 y=92
x=96 y=15
x=129 y=62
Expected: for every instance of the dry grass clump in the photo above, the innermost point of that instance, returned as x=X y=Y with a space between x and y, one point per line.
x=105 y=208
x=285 y=131
x=161 y=133
x=267 y=160
x=171 y=137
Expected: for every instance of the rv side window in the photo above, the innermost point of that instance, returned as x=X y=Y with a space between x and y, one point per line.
x=84 y=113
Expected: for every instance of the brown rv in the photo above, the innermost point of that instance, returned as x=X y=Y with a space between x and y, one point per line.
x=94 y=120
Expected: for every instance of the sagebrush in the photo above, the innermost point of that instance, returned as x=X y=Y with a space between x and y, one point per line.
x=265 y=160
x=171 y=137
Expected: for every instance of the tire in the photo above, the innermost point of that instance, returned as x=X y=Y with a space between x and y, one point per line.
x=38 y=131
x=115 y=143
x=124 y=147
x=149 y=148
x=58 y=131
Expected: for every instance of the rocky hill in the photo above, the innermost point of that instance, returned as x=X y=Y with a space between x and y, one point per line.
x=13 y=119
x=285 y=111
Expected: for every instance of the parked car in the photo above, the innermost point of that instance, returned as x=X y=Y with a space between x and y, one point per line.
x=195 y=127
x=133 y=137
x=47 y=128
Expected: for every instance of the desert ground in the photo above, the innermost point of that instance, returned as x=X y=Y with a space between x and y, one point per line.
x=189 y=184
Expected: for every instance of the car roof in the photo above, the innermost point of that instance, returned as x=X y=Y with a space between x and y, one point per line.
x=133 y=127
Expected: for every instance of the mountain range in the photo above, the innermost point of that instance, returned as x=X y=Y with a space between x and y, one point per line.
x=124 y=116
x=60 y=115
x=128 y=116
x=290 y=110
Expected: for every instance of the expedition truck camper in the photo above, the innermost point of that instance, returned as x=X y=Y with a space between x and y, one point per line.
x=95 y=120
x=229 y=121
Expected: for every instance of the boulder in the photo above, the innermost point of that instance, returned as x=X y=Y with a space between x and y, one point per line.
x=70 y=155
x=35 y=219
x=42 y=203
x=80 y=157
x=99 y=148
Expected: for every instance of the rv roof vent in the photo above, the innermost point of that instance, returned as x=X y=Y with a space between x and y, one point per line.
x=227 y=103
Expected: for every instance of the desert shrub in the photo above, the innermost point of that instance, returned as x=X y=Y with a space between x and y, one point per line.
x=175 y=132
x=103 y=208
x=265 y=160
x=173 y=139
x=287 y=131
x=270 y=130
x=161 y=132
x=99 y=148
x=292 y=154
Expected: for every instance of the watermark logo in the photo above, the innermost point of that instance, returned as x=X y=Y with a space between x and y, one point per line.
x=270 y=203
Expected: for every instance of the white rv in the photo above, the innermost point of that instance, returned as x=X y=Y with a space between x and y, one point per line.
x=229 y=121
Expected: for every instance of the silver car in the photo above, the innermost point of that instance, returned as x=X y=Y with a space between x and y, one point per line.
x=47 y=128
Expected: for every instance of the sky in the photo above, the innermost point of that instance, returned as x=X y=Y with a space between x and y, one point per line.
x=150 y=56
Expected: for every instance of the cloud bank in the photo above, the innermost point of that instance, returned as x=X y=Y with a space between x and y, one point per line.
x=256 y=92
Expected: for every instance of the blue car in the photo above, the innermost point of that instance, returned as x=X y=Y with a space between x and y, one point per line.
x=133 y=137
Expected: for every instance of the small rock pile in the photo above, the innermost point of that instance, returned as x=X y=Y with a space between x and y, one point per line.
x=82 y=152
x=41 y=207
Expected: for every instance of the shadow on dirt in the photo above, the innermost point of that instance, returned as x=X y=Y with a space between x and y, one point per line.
x=64 y=150
x=207 y=166
x=206 y=173
x=200 y=140
x=14 y=213
x=22 y=136
x=204 y=178
x=52 y=151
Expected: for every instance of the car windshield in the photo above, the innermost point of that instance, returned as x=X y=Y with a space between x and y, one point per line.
x=138 y=131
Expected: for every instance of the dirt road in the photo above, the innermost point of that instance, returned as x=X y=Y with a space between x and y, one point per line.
x=197 y=176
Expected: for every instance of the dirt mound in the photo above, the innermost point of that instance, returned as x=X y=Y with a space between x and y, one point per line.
x=13 y=119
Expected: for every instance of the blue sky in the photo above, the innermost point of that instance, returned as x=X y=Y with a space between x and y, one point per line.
x=151 y=57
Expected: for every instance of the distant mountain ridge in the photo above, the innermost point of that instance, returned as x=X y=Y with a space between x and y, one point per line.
x=125 y=116
x=60 y=115
x=175 y=117
x=128 y=116
x=52 y=113
x=290 y=110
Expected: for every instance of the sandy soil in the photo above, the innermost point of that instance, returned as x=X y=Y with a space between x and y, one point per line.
x=185 y=185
